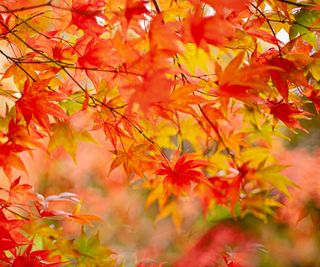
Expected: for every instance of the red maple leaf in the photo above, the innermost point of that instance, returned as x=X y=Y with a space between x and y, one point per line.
x=135 y=8
x=85 y=13
x=282 y=72
x=38 y=258
x=36 y=103
x=314 y=96
x=220 y=5
x=182 y=172
x=288 y=114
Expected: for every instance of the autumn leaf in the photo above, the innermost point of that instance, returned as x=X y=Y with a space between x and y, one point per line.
x=3 y=30
x=159 y=34
x=9 y=157
x=37 y=258
x=155 y=88
x=99 y=53
x=314 y=96
x=181 y=172
x=135 y=8
x=85 y=15
x=282 y=71
x=36 y=103
x=288 y=114
x=187 y=95
x=20 y=135
x=91 y=252
x=6 y=240
x=134 y=160
x=243 y=83
x=230 y=4
x=64 y=135
x=202 y=31
x=180 y=99
x=253 y=27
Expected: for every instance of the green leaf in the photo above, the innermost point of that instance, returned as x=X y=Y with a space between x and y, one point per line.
x=91 y=252
x=272 y=175
x=63 y=135
x=306 y=21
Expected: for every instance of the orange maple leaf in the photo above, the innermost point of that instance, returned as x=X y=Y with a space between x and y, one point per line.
x=155 y=88
x=243 y=83
x=21 y=135
x=201 y=30
x=9 y=158
x=134 y=161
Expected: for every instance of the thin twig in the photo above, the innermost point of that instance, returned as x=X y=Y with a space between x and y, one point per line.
x=156 y=5
x=24 y=8
x=229 y=152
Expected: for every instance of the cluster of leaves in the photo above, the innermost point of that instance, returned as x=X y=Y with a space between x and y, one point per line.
x=31 y=234
x=193 y=116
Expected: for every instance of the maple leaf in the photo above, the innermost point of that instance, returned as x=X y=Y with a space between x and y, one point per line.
x=182 y=172
x=37 y=258
x=9 y=158
x=288 y=114
x=252 y=27
x=90 y=252
x=66 y=136
x=6 y=240
x=225 y=190
x=314 y=96
x=36 y=103
x=212 y=30
x=99 y=54
x=85 y=13
x=180 y=99
x=230 y=4
x=37 y=71
x=134 y=161
x=155 y=88
x=135 y=8
x=214 y=114
x=282 y=72
x=116 y=58
x=3 y=30
x=242 y=83
x=160 y=32
x=62 y=52
x=19 y=191
x=110 y=125
x=20 y=135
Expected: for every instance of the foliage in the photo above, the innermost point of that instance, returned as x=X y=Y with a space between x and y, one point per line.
x=188 y=97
